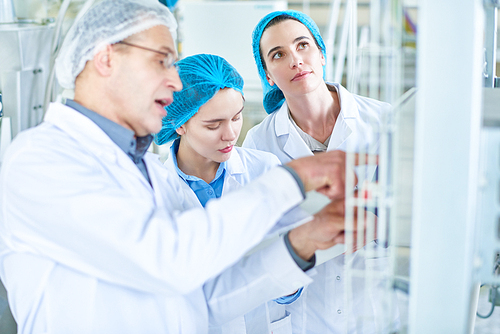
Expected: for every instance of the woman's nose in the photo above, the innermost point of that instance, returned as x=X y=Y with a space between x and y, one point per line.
x=295 y=60
x=229 y=134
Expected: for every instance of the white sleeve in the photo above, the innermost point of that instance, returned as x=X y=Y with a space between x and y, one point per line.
x=256 y=279
x=61 y=205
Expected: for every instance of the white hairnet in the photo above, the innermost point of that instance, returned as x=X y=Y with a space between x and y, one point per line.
x=107 y=22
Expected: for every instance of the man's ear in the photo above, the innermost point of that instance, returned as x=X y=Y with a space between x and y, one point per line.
x=102 y=60
x=268 y=78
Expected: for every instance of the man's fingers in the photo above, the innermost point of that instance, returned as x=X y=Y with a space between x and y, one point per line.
x=325 y=171
x=335 y=191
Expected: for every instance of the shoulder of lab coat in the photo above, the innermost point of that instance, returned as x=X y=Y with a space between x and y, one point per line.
x=84 y=190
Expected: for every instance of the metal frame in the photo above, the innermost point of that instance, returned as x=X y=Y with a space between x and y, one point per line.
x=490 y=46
x=447 y=133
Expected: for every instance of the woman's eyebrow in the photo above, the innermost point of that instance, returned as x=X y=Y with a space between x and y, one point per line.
x=300 y=38
x=215 y=120
x=294 y=41
x=239 y=112
x=273 y=49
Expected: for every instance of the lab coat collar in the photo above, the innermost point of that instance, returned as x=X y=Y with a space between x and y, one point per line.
x=82 y=128
x=234 y=163
x=293 y=145
x=174 y=148
x=342 y=130
x=233 y=166
x=161 y=174
x=348 y=105
x=282 y=125
x=190 y=198
x=91 y=137
x=348 y=113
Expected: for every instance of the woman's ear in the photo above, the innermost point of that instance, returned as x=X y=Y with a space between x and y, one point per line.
x=323 y=61
x=268 y=78
x=102 y=61
x=181 y=130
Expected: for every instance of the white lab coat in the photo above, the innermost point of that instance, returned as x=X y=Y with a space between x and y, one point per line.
x=321 y=308
x=243 y=166
x=88 y=246
x=353 y=130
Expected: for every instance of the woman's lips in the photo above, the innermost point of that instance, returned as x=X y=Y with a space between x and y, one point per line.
x=301 y=75
x=227 y=149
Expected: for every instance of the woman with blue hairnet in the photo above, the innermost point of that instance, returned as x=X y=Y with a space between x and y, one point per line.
x=308 y=115
x=204 y=121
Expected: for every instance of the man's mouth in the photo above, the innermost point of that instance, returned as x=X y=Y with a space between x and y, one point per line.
x=163 y=102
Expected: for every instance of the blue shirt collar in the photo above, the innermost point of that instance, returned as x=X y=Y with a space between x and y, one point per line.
x=124 y=138
x=173 y=152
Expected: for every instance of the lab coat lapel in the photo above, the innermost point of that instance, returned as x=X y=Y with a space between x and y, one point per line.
x=348 y=114
x=158 y=175
x=293 y=144
x=81 y=128
x=127 y=164
x=190 y=199
x=94 y=140
x=234 y=167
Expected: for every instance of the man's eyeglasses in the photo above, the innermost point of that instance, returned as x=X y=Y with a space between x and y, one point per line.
x=169 y=60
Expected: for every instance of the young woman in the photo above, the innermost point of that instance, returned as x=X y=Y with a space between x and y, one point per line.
x=308 y=115
x=204 y=122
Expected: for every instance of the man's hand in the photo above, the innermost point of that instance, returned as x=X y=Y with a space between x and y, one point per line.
x=323 y=172
x=321 y=232
x=326 y=172
x=326 y=230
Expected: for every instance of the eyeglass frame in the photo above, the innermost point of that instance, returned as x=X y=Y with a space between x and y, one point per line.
x=168 y=55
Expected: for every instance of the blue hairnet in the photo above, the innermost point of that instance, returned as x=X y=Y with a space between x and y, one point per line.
x=273 y=96
x=202 y=77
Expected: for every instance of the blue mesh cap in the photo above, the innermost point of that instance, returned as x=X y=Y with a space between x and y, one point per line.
x=273 y=96
x=202 y=76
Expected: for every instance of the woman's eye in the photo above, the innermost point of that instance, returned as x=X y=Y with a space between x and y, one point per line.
x=237 y=118
x=303 y=45
x=278 y=55
x=212 y=127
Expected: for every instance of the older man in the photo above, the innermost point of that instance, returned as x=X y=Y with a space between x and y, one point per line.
x=93 y=237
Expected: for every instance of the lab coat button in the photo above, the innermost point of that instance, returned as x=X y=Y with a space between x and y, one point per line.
x=210 y=192
x=339 y=311
x=338 y=278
